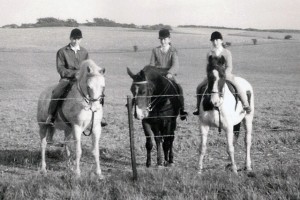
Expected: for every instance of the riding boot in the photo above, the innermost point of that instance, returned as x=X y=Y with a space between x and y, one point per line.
x=182 y=112
x=245 y=103
x=199 y=93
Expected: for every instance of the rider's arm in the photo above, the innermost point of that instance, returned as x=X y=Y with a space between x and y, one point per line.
x=62 y=66
x=153 y=59
x=175 y=63
x=229 y=66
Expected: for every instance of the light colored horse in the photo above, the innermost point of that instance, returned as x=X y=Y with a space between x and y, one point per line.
x=219 y=108
x=80 y=110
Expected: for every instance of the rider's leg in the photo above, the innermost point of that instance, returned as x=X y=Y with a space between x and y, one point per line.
x=183 y=113
x=242 y=94
x=56 y=96
x=199 y=95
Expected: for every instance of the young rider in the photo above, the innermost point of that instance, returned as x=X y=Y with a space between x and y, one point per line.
x=165 y=57
x=219 y=50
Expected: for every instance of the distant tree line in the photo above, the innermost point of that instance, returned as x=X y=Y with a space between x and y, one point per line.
x=245 y=29
x=53 y=22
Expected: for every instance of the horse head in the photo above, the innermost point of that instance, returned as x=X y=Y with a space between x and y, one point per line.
x=142 y=90
x=216 y=79
x=91 y=81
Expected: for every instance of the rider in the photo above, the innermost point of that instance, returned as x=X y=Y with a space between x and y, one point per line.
x=165 y=57
x=219 y=50
x=68 y=60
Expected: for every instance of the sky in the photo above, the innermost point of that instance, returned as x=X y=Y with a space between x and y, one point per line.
x=261 y=14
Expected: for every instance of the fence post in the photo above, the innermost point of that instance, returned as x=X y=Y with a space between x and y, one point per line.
x=131 y=136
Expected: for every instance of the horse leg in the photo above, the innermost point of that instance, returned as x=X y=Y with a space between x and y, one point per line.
x=203 y=132
x=230 y=147
x=50 y=134
x=43 y=137
x=67 y=146
x=167 y=147
x=77 y=136
x=236 y=131
x=149 y=144
x=248 y=142
x=171 y=138
x=158 y=141
x=95 y=150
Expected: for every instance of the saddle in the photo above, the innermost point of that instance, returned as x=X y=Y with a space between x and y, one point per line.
x=207 y=105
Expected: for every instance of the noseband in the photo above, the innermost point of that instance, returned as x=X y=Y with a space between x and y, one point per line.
x=88 y=99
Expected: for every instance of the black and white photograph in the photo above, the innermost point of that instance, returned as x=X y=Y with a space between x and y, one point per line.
x=150 y=99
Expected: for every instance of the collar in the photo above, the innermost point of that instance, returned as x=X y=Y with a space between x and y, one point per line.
x=75 y=49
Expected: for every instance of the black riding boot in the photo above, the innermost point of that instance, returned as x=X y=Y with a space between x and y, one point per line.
x=199 y=94
x=182 y=112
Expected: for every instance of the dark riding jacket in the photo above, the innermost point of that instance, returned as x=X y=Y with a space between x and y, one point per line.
x=68 y=62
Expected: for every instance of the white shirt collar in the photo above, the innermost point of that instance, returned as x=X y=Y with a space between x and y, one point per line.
x=75 y=49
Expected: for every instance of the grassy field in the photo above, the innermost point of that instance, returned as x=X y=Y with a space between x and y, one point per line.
x=27 y=64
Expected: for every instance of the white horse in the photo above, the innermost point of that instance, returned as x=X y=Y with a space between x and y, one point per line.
x=80 y=110
x=220 y=108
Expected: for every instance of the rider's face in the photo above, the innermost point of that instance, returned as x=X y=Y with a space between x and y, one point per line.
x=75 y=41
x=165 y=41
x=217 y=43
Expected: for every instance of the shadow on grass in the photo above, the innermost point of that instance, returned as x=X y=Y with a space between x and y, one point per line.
x=56 y=159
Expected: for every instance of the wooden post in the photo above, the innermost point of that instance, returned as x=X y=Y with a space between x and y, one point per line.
x=131 y=136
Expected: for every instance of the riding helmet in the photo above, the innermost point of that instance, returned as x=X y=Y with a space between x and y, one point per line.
x=76 y=34
x=216 y=35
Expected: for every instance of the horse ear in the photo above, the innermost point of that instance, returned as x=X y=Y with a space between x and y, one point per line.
x=89 y=69
x=142 y=74
x=102 y=71
x=129 y=72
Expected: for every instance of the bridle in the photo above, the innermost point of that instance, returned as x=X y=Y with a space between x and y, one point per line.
x=157 y=98
x=89 y=101
x=88 y=98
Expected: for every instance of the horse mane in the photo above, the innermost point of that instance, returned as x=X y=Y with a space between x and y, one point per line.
x=85 y=66
x=216 y=63
x=149 y=68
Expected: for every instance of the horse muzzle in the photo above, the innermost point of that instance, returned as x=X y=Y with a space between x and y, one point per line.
x=141 y=113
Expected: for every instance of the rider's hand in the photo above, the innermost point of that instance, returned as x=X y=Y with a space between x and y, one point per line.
x=169 y=76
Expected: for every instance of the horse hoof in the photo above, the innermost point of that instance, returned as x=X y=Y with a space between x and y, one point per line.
x=101 y=177
x=160 y=166
x=43 y=171
x=251 y=174
x=171 y=165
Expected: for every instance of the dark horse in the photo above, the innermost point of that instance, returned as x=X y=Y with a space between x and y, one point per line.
x=156 y=103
